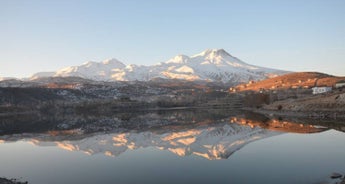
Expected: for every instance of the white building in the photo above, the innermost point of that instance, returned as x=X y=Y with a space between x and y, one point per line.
x=340 y=84
x=318 y=90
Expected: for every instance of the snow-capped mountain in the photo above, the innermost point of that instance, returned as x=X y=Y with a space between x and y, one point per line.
x=209 y=65
x=102 y=71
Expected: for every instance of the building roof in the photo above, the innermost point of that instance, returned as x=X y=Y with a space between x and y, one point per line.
x=321 y=87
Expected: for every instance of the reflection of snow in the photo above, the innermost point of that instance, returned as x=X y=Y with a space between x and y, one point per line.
x=66 y=146
x=211 y=142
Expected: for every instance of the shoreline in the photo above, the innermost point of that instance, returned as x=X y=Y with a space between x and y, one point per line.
x=11 y=181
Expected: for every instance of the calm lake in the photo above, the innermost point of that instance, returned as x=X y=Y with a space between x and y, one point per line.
x=170 y=147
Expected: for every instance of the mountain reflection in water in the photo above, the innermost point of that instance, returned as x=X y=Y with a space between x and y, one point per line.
x=212 y=135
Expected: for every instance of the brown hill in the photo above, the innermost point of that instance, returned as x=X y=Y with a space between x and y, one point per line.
x=290 y=81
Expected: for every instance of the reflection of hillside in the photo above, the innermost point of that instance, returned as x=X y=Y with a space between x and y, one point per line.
x=145 y=120
x=89 y=123
x=278 y=125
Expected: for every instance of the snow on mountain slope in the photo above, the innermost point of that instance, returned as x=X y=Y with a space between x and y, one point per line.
x=42 y=75
x=209 y=65
x=7 y=78
x=214 y=65
x=92 y=70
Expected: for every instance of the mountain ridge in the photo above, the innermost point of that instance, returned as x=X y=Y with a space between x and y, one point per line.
x=209 y=65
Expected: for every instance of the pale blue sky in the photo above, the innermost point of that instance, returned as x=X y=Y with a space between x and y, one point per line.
x=298 y=35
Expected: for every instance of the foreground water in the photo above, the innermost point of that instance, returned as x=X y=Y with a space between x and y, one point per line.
x=198 y=149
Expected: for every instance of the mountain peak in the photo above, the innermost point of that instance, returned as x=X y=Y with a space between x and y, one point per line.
x=108 y=62
x=179 y=59
x=213 y=53
x=112 y=61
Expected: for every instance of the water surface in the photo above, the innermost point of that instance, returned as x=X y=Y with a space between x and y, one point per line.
x=175 y=147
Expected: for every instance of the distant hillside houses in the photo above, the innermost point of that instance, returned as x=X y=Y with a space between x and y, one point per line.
x=319 y=90
x=324 y=89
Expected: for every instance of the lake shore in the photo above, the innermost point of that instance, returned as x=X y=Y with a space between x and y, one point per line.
x=11 y=181
x=300 y=114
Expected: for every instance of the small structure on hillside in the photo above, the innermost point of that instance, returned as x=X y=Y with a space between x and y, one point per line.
x=232 y=90
x=340 y=84
x=319 y=90
x=251 y=82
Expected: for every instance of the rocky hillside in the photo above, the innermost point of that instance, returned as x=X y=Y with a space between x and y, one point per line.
x=333 y=102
